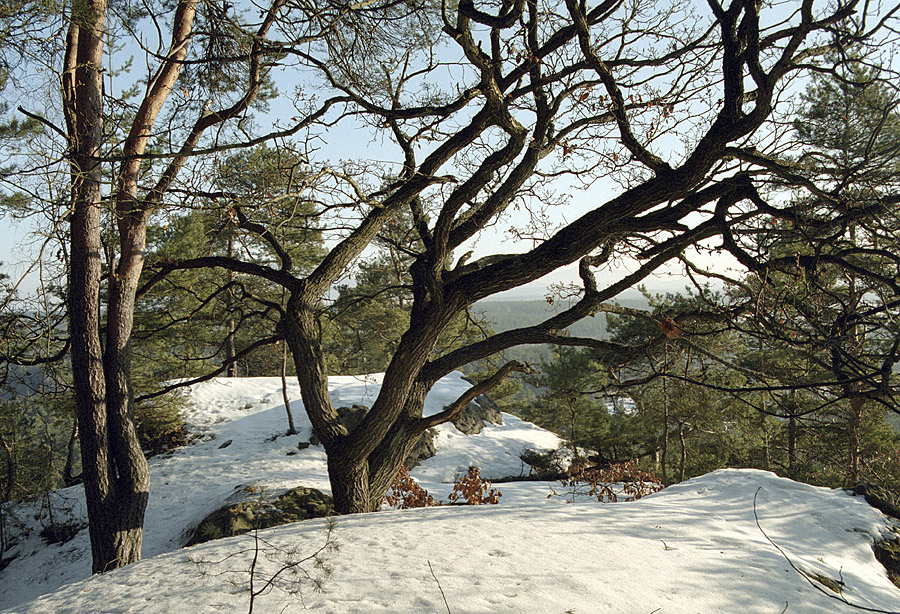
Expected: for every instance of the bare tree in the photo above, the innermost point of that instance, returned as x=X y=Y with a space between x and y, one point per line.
x=681 y=107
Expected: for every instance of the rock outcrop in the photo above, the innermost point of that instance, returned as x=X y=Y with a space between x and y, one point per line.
x=423 y=449
x=473 y=416
x=256 y=511
x=471 y=421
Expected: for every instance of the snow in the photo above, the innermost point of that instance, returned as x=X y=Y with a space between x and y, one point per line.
x=729 y=541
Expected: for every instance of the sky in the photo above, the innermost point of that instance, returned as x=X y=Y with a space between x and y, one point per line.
x=349 y=141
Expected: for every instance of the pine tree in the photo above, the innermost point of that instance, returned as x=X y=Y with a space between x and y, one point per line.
x=826 y=303
x=196 y=320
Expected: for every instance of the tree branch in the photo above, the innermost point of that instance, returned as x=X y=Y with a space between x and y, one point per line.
x=452 y=411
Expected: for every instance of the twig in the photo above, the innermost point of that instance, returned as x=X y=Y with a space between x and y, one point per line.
x=840 y=598
x=431 y=569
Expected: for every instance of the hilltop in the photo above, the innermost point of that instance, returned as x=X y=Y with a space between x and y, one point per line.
x=730 y=541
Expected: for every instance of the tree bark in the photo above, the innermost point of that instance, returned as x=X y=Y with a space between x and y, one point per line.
x=853 y=453
x=69 y=476
x=350 y=486
x=664 y=445
x=116 y=476
x=229 y=307
x=82 y=88
x=792 y=446
x=362 y=463
x=11 y=464
x=292 y=430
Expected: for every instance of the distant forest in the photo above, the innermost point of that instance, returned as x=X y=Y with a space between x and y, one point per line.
x=506 y=315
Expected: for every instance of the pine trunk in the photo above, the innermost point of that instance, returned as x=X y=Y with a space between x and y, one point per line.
x=114 y=521
x=116 y=477
x=69 y=476
x=231 y=369
x=853 y=424
x=792 y=446
x=292 y=430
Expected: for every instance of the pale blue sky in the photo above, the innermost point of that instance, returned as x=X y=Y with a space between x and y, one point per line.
x=17 y=243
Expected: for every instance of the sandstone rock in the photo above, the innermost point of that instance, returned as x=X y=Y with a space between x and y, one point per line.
x=239 y=517
x=423 y=449
x=490 y=410
x=546 y=464
x=469 y=420
x=473 y=416
x=350 y=417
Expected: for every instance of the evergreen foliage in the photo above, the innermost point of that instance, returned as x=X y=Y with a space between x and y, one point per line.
x=186 y=322
x=368 y=318
x=254 y=248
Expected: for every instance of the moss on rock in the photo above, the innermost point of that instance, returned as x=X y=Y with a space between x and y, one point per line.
x=301 y=503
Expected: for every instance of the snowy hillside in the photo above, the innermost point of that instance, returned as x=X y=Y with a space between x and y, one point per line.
x=731 y=541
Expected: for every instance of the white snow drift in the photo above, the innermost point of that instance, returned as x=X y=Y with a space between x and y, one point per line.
x=738 y=541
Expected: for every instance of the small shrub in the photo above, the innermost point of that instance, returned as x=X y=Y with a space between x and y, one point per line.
x=887 y=551
x=273 y=567
x=473 y=490
x=61 y=533
x=607 y=484
x=159 y=424
x=405 y=493
x=167 y=441
x=546 y=464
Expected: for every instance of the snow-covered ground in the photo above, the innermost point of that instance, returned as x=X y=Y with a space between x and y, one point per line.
x=737 y=541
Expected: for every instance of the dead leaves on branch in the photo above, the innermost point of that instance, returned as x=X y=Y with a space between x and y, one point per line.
x=471 y=489
x=669 y=328
x=608 y=484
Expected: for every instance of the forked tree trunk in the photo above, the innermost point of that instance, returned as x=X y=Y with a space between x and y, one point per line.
x=112 y=520
x=362 y=487
x=116 y=477
x=361 y=464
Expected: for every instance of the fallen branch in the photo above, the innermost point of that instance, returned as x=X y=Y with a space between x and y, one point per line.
x=431 y=569
x=839 y=597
